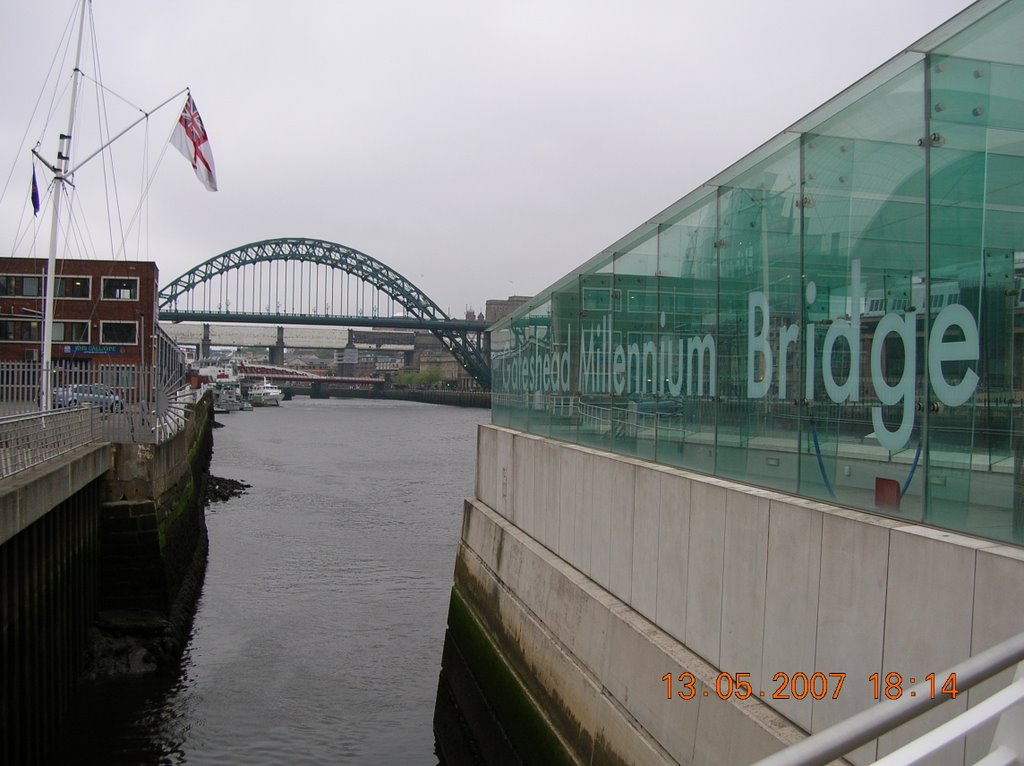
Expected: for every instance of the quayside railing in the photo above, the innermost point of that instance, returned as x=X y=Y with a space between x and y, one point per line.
x=129 y=403
x=28 y=440
x=1004 y=706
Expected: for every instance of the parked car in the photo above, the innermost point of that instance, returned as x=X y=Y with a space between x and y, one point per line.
x=95 y=394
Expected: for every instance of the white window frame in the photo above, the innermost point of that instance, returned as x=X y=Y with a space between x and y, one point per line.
x=105 y=342
x=62 y=322
x=103 y=289
x=18 y=321
x=71 y=277
x=21 y=292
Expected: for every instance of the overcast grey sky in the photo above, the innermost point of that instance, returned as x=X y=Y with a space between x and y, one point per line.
x=479 y=148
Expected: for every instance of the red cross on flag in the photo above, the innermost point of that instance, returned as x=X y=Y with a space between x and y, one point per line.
x=189 y=138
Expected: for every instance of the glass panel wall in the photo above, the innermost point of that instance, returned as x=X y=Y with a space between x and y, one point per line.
x=688 y=324
x=839 y=315
x=865 y=225
x=758 y=322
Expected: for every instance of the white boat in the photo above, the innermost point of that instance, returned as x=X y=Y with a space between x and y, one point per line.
x=265 y=394
x=226 y=397
x=224 y=379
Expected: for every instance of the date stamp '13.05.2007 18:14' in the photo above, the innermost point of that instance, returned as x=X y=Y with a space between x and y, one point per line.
x=799 y=686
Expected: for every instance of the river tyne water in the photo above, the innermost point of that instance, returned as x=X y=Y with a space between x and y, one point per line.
x=319 y=631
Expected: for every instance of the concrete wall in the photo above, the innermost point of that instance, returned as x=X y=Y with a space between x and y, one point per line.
x=65 y=554
x=154 y=530
x=625 y=571
x=49 y=562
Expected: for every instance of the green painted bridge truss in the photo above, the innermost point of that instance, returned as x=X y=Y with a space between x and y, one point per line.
x=313 y=282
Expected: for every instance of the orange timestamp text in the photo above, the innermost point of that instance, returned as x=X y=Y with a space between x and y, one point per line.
x=800 y=686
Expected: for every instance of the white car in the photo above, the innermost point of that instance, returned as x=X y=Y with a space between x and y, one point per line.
x=95 y=394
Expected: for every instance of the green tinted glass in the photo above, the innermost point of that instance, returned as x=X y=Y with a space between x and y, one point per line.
x=838 y=315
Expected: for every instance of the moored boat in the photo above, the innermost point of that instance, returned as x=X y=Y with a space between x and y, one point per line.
x=223 y=377
x=265 y=394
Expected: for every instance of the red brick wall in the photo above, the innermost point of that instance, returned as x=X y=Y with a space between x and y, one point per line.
x=93 y=310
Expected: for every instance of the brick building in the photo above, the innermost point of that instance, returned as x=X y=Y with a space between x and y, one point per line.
x=104 y=311
x=499 y=309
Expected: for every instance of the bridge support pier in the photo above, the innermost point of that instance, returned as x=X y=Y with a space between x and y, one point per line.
x=204 y=346
x=275 y=353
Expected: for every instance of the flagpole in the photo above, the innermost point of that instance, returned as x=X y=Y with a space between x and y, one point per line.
x=145 y=116
x=63 y=162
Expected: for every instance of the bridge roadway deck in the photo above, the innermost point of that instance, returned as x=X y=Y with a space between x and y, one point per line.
x=300 y=335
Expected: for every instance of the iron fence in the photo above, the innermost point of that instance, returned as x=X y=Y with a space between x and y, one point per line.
x=132 y=403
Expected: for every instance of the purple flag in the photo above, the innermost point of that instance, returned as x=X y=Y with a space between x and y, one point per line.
x=35 y=193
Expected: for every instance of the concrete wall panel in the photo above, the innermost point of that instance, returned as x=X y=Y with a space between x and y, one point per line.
x=791 y=602
x=634 y=667
x=1000 y=569
x=743 y=584
x=673 y=554
x=547 y=466
x=646 y=520
x=746 y=579
x=717 y=743
x=928 y=622
x=705 y=569
x=524 y=476
x=620 y=553
x=486 y=465
x=583 y=518
x=505 y=474
x=597 y=656
x=851 y=617
x=570 y=472
x=601 y=521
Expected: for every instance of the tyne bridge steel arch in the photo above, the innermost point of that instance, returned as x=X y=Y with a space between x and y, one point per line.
x=310 y=281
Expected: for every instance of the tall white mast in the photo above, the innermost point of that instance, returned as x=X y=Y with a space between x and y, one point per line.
x=60 y=177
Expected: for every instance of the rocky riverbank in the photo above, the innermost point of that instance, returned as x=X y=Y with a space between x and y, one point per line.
x=218 y=490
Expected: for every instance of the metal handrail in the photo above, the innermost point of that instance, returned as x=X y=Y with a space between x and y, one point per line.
x=29 y=440
x=846 y=736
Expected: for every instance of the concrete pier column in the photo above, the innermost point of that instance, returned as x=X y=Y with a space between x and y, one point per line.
x=204 y=347
x=275 y=353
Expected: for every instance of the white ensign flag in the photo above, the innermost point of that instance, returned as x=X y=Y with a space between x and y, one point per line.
x=190 y=139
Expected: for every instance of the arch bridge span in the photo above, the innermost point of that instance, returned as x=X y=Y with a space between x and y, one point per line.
x=310 y=281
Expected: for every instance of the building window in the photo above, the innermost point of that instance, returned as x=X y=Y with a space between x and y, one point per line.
x=71 y=287
x=120 y=288
x=20 y=286
x=19 y=330
x=119 y=332
x=71 y=332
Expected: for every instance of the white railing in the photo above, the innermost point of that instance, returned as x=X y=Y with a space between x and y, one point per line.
x=28 y=440
x=135 y=403
x=1004 y=706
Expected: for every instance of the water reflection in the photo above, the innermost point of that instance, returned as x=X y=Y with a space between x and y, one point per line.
x=319 y=631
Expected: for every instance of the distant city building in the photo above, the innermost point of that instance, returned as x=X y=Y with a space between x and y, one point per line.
x=499 y=309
